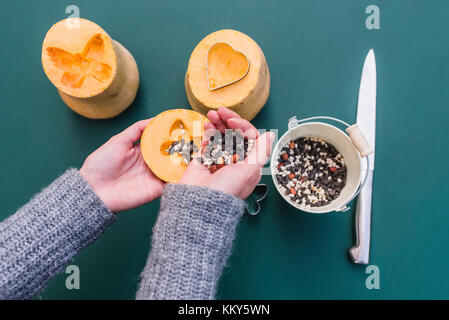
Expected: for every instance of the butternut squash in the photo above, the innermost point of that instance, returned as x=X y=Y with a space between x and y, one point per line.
x=170 y=141
x=228 y=69
x=95 y=75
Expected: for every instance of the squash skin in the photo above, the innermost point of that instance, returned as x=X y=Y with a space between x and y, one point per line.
x=118 y=93
x=160 y=132
x=247 y=96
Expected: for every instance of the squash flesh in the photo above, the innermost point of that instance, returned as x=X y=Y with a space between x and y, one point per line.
x=225 y=66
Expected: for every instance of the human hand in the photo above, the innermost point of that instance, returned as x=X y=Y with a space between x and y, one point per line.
x=118 y=174
x=238 y=179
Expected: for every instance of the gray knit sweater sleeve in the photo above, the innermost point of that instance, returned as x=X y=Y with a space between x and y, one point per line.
x=192 y=240
x=45 y=234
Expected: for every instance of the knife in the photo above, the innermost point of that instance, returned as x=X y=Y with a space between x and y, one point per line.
x=366 y=120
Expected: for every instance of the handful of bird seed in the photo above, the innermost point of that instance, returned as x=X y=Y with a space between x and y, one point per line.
x=184 y=149
x=222 y=149
x=225 y=148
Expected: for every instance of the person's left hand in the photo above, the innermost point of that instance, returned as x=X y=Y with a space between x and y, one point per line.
x=118 y=174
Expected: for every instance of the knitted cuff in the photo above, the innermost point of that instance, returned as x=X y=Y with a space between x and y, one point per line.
x=45 y=234
x=192 y=240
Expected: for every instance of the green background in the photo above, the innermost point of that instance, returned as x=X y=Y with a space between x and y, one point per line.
x=315 y=51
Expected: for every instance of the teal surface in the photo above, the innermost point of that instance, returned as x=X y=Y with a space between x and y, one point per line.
x=315 y=51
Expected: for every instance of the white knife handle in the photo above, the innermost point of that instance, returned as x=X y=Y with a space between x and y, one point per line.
x=360 y=252
x=359 y=140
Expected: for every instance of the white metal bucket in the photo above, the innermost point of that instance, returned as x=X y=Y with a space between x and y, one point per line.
x=342 y=142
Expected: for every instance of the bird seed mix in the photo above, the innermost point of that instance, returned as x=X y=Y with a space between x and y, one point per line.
x=222 y=149
x=311 y=172
x=184 y=149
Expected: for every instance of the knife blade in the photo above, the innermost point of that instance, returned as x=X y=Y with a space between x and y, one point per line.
x=366 y=120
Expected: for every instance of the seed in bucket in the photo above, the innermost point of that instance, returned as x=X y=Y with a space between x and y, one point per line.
x=311 y=172
x=227 y=148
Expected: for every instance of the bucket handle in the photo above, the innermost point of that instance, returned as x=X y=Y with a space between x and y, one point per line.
x=358 y=140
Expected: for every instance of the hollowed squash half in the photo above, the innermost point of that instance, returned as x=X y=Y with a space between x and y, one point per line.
x=161 y=132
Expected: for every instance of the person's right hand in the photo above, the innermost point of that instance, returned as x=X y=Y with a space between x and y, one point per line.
x=238 y=179
x=118 y=174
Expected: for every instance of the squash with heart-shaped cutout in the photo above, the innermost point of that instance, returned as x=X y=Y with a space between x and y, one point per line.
x=228 y=69
x=170 y=141
x=95 y=75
